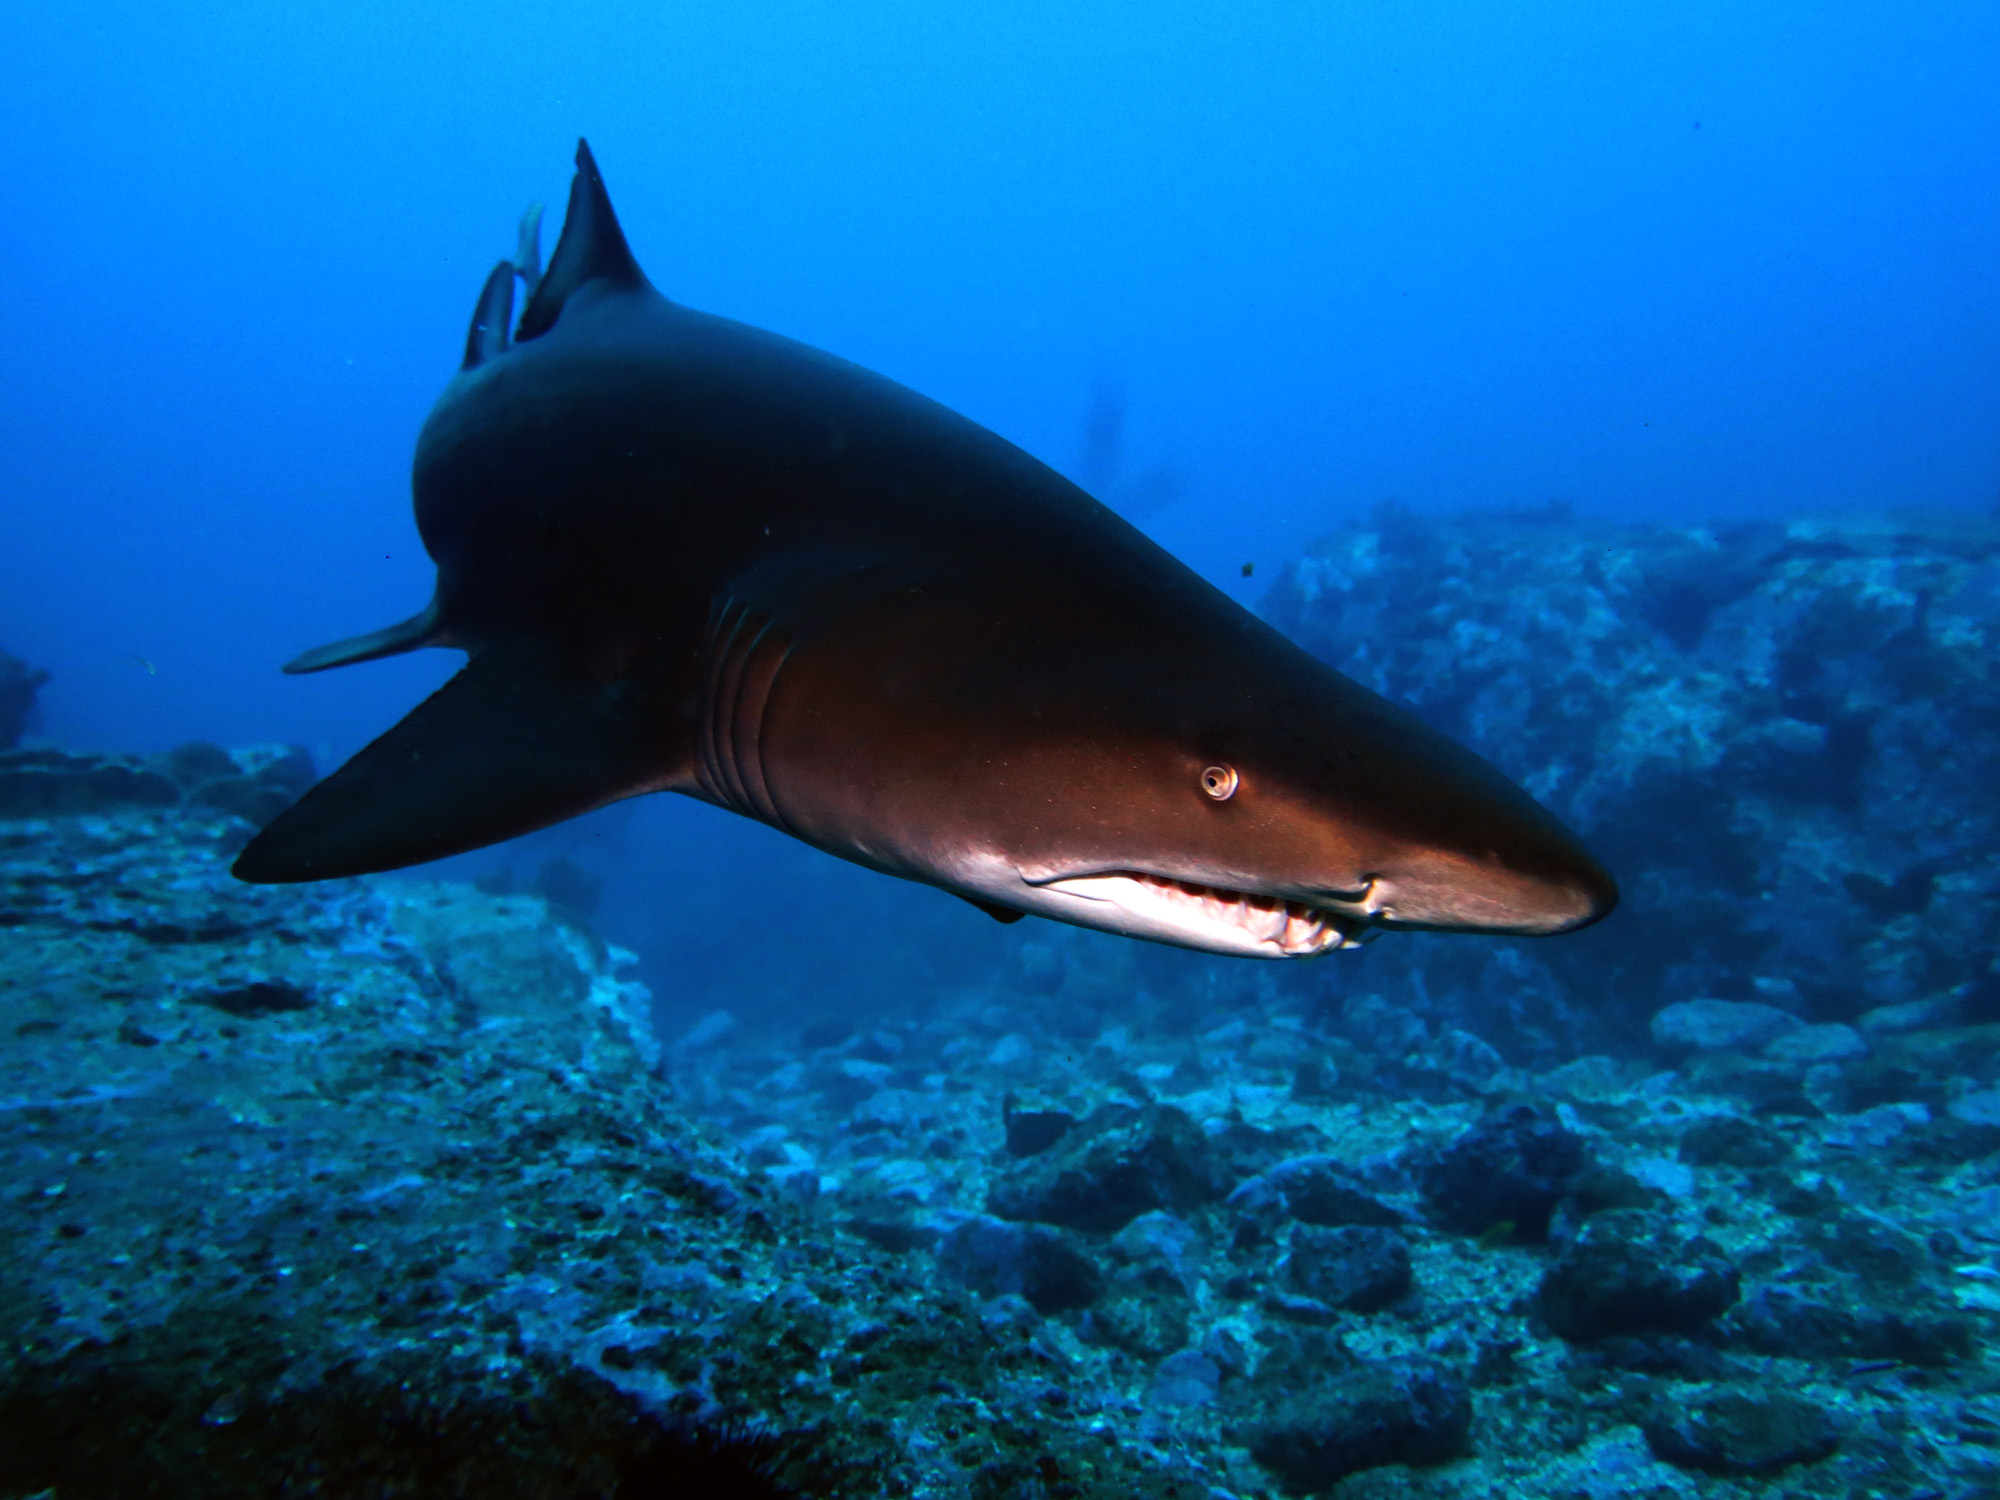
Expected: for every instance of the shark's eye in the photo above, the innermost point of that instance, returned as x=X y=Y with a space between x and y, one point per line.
x=1219 y=782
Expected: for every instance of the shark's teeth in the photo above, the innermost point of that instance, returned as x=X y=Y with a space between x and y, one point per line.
x=1208 y=917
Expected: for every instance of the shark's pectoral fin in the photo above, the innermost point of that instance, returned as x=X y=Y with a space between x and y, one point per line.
x=513 y=743
x=392 y=640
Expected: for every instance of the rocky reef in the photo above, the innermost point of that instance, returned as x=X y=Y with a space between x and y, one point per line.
x=386 y=1187
x=1782 y=738
x=373 y=1188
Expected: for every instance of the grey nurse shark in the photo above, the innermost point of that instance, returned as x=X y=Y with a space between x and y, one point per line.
x=687 y=555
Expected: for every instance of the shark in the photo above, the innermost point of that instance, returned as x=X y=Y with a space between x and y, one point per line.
x=687 y=555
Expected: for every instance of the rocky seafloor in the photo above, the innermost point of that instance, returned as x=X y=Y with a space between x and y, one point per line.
x=386 y=1187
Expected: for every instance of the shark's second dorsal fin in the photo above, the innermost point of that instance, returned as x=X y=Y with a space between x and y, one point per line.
x=513 y=743
x=592 y=248
x=528 y=249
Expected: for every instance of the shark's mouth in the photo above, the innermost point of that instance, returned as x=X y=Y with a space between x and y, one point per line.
x=1209 y=917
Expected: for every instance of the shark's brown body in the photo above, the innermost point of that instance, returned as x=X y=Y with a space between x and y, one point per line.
x=686 y=555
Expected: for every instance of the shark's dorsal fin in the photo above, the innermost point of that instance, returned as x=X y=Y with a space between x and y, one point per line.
x=491 y=318
x=513 y=743
x=592 y=248
x=392 y=640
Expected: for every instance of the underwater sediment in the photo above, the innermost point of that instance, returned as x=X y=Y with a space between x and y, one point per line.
x=385 y=1186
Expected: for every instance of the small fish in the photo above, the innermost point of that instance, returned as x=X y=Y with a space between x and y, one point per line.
x=151 y=670
x=1495 y=1235
x=1249 y=568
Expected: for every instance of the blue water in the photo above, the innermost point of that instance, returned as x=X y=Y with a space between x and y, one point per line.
x=1695 y=261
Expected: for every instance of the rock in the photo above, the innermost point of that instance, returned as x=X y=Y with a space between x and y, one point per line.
x=1909 y=1015
x=1512 y=1168
x=994 y=1257
x=1658 y=1174
x=1729 y=1141
x=1843 y=1321
x=1118 y=1163
x=1402 y=1411
x=20 y=684
x=1030 y=1132
x=1314 y=1190
x=1148 y=1322
x=1742 y=1431
x=1354 y=1268
x=1716 y=1025
x=1872 y=1129
x=259 y=997
x=1980 y=1107
x=1630 y=1273
x=1159 y=1241
x=1185 y=1378
x=1807 y=1046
